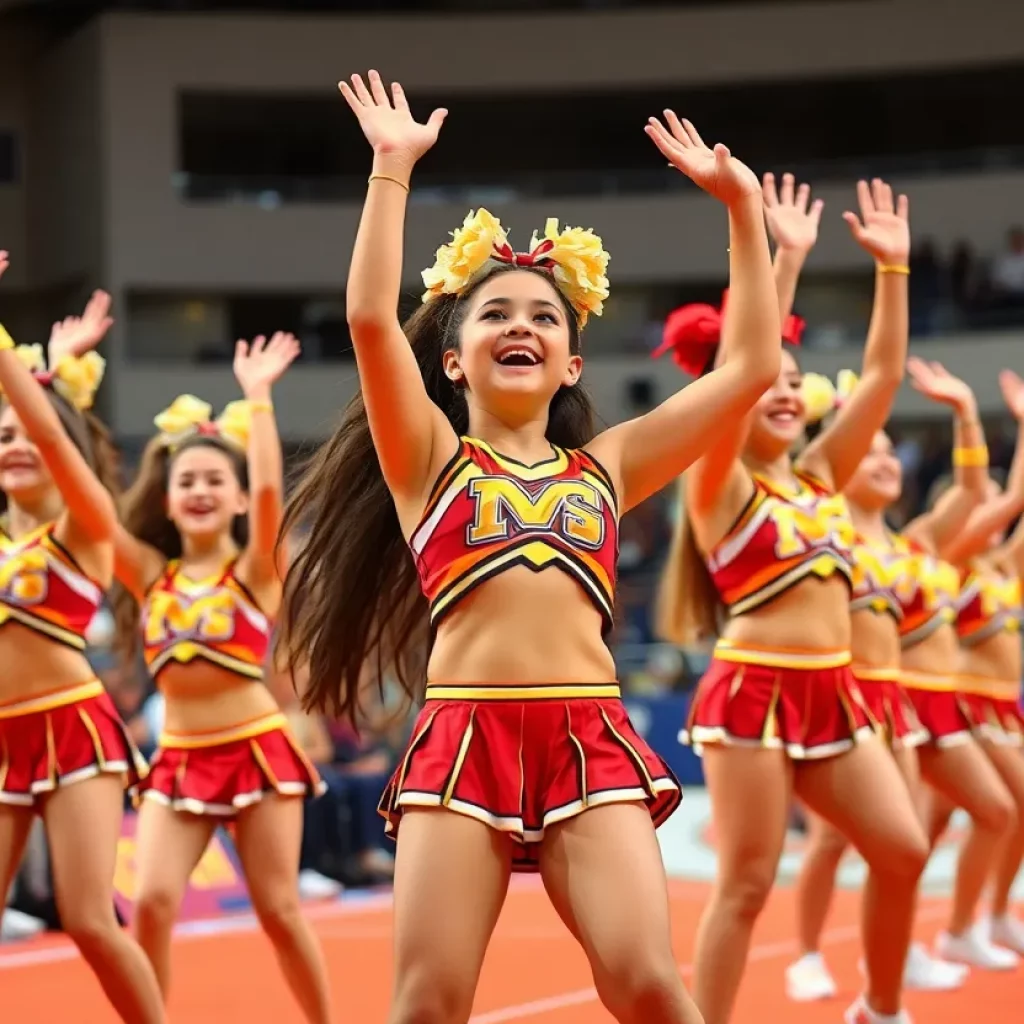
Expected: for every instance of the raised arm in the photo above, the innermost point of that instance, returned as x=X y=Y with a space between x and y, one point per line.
x=404 y=423
x=939 y=526
x=884 y=231
x=996 y=513
x=257 y=368
x=793 y=222
x=647 y=453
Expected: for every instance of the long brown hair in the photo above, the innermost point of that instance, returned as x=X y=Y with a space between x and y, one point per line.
x=144 y=516
x=91 y=437
x=689 y=609
x=351 y=593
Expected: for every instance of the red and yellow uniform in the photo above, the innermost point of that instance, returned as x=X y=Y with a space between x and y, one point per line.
x=805 y=702
x=876 y=571
x=990 y=605
x=218 y=773
x=72 y=733
x=522 y=757
x=929 y=592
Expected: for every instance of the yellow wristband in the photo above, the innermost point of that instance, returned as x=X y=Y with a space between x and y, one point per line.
x=970 y=457
x=893 y=268
x=6 y=341
x=260 y=405
x=387 y=177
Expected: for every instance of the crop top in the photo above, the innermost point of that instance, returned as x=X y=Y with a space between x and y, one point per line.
x=215 y=619
x=989 y=604
x=876 y=569
x=43 y=588
x=781 y=538
x=488 y=513
x=928 y=590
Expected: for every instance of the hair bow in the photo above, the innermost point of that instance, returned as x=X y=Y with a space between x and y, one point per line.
x=692 y=333
x=188 y=416
x=822 y=397
x=574 y=257
x=75 y=378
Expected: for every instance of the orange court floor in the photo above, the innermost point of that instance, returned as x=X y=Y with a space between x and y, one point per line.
x=534 y=971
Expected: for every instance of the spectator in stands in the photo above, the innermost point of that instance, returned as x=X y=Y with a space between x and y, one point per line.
x=1008 y=270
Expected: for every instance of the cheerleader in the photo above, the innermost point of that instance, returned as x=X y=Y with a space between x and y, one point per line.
x=877 y=614
x=779 y=710
x=64 y=752
x=988 y=691
x=196 y=556
x=471 y=443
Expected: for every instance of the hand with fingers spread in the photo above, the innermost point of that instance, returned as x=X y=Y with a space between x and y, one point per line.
x=715 y=170
x=934 y=381
x=1012 y=388
x=386 y=121
x=259 y=366
x=75 y=335
x=883 y=228
x=792 y=219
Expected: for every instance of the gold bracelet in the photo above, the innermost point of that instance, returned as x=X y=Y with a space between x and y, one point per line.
x=971 y=457
x=259 y=405
x=6 y=341
x=387 y=177
x=893 y=268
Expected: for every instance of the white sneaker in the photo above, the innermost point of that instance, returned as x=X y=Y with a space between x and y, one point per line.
x=16 y=925
x=1006 y=931
x=861 y=1013
x=808 y=979
x=925 y=973
x=975 y=947
x=314 y=886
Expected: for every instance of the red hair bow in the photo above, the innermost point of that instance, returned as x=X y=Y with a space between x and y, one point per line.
x=693 y=332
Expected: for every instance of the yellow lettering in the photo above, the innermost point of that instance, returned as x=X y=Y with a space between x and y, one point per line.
x=210 y=617
x=874 y=570
x=23 y=577
x=799 y=529
x=569 y=508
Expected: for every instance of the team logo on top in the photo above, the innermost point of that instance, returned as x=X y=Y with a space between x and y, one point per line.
x=208 y=618
x=507 y=508
x=24 y=577
x=799 y=529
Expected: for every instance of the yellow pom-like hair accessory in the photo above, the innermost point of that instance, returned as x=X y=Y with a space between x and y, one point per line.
x=188 y=416
x=819 y=396
x=75 y=378
x=575 y=258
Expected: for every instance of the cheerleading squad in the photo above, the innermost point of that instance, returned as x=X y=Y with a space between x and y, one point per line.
x=467 y=466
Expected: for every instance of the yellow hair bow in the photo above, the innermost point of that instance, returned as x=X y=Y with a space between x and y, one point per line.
x=821 y=396
x=187 y=416
x=575 y=258
x=75 y=378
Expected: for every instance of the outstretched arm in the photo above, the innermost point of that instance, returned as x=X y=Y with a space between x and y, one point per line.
x=257 y=368
x=405 y=424
x=884 y=231
x=647 y=453
x=938 y=527
x=793 y=222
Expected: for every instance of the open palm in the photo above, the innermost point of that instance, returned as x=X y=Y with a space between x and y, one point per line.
x=934 y=381
x=791 y=216
x=75 y=335
x=884 y=226
x=262 y=364
x=386 y=121
x=1012 y=388
x=715 y=170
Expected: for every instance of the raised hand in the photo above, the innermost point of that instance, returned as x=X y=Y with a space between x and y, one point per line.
x=1012 y=388
x=5 y=261
x=934 y=381
x=715 y=170
x=792 y=219
x=75 y=335
x=388 y=125
x=883 y=228
x=260 y=365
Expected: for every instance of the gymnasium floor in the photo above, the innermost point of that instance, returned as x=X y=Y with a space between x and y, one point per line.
x=534 y=972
